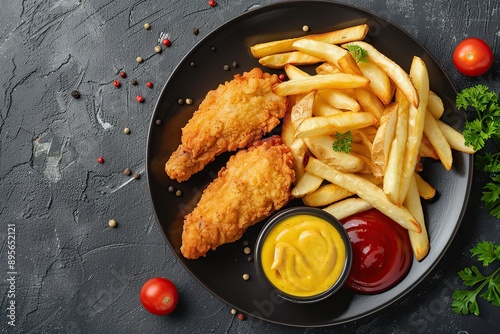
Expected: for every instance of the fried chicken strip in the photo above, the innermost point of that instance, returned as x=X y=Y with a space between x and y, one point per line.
x=229 y=118
x=254 y=184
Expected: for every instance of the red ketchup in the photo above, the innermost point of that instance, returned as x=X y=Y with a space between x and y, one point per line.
x=382 y=253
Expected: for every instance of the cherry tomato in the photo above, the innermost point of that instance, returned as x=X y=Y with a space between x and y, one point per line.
x=472 y=57
x=159 y=296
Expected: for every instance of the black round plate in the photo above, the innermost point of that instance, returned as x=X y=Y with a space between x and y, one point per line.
x=221 y=271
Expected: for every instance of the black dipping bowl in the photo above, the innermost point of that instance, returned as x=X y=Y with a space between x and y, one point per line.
x=304 y=210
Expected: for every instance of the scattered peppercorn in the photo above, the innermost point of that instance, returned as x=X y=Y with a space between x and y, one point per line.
x=171 y=189
x=226 y=67
x=305 y=28
x=123 y=74
x=178 y=193
x=75 y=94
x=149 y=84
x=245 y=243
x=212 y=3
x=112 y=223
x=158 y=122
x=180 y=101
x=136 y=176
x=117 y=83
x=147 y=26
x=100 y=160
x=139 y=59
x=133 y=82
x=233 y=311
x=139 y=98
x=241 y=316
x=235 y=64
x=189 y=101
x=196 y=31
x=250 y=258
x=192 y=64
x=126 y=131
x=246 y=277
x=213 y=48
x=166 y=42
x=282 y=77
x=127 y=171
x=247 y=250
x=157 y=49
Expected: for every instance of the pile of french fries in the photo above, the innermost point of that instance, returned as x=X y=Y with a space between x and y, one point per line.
x=393 y=118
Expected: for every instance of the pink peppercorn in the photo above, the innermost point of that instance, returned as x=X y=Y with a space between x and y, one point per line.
x=116 y=83
x=100 y=160
x=241 y=316
x=123 y=74
x=282 y=77
x=212 y=3
x=139 y=98
x=149 y=84
x=166 y=42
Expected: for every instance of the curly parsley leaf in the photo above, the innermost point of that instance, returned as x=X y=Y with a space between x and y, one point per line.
x=465 y=301
x=342 y=142
x=359 y=54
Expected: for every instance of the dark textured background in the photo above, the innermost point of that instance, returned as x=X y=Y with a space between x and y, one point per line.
x=76 y=275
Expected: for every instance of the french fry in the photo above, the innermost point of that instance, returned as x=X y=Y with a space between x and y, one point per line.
x=365 y=190
x=425 y=190
x=369 y=102
x=348 y=207
x=419 y=241
x=287 y=127
x=298 y=149
x=326 y=125
x=322 y=50
x=327 y=68
x=383 y=139
x=321 y=147
x=380 y=83
x=393 y=70
x=293 y=72
x=348 y=64
x=325 y=195
x=438 y=140
x=339 y=100
x=332 y=81
x=353 y=33
x=307 y=184
x=455 y=138
x=321 y=108
x=281 y=59
x=435 y=105
x=303 y=109
x=416 y=120
x=394 y=165
x=426 y=150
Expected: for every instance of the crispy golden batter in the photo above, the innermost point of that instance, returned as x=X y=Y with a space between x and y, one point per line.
x=255 y=183
x=229 y=118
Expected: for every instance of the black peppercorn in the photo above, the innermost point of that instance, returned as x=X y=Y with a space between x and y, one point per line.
x=75 y=94
x=196 y=31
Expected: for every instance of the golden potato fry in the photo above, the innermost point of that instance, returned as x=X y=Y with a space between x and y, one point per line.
x=293 y=72
x=348 y=64
x=419 y=241
x=455 y=138
x=380 y=84
x=281 y=59
x=435 y=105
x=425 y=190
x=416 y=120
x=365 y=190
x=369 y=102
x=327 y=68
x=339 y=99
x=328 y=52
x=394 y=165
x=321 y=148
x=299 y=151
x=325 y=81
x=426 y=150
x=303 y=109
x=353 y=33
x=327 y=125
x=287 y=127
x=321 y=108
x=348 y=207
x=438 y=140
x=325 y=195
x=360 y=150
x=383 y=139
x=393 y=70
x=307 y=184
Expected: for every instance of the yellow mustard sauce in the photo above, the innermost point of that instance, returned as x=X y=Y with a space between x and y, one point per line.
x=303 y=255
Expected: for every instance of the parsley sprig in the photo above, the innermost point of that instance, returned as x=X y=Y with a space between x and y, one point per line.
x=342 y=142
x=484 y=127
x=465 y=301
x=359 y=54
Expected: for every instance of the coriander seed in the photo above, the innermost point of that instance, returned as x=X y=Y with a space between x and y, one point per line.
x=246 y=277
x=112 y=223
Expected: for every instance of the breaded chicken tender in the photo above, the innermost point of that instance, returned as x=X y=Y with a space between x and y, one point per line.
x=253 y=185
x=230 y=117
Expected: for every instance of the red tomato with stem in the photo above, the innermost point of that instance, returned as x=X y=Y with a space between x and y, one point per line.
x=473 y=57
x=159 y=296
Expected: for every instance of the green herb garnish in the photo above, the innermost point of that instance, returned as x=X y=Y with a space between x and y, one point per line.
x=342 y=142
x=465 y=301
x=359 y=54
x=484 y=127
